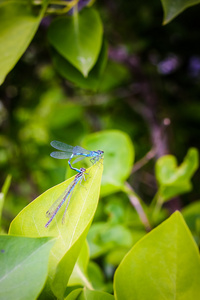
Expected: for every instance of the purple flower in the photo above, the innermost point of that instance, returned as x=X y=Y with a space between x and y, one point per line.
x=194 y=66
x=168 y=65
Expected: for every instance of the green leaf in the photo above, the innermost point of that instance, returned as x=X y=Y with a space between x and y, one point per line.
x=3 y=194
x=74 y=294
x=71 y=235
x=172 y=8
x=78 y=38
x=18 y=24
x=174 y=180
x=104 y=237
x=24 y=266
x=165 y=264
x=118 y=157
x=96 y=276
x=87 y=294
x=79 y=274
x=72 y=74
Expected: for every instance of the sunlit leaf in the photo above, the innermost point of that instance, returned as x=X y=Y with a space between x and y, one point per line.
x=71 y=234
x=165 y=264
x=18 y=24
x=24 y=266
x=174 y=180
x=78 y=38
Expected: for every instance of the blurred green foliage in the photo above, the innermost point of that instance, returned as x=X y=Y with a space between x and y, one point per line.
x=148 y=84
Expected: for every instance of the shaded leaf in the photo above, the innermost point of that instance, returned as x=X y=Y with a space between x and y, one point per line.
x=115 y=75
x=74 y=294
x=104 y=237
x=118 y=156
x=24 y=266
x=78 y=38
x=172 y=8
x=72 y=74
x=87 y=294
x=164 y=264
x=191 y=214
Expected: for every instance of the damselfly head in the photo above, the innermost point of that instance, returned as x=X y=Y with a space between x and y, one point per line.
x=82 y=170
x=100 y=152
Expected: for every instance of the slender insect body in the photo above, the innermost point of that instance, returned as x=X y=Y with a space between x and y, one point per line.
x=68 y=193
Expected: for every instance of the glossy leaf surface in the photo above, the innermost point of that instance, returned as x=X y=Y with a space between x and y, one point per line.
x=78 y=38
x=164 y=264
x=69 y=72
x=24 y=266
x=18 y=24
x=71 y=234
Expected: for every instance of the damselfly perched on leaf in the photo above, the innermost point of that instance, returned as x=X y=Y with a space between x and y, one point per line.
x=70 y=152
x=51 y=213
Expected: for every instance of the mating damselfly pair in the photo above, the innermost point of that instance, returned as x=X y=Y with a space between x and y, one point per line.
x=70 y=152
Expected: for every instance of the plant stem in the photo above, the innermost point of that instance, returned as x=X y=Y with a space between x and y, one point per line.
x=135 y=201
x=66 y=4
x=143 y=161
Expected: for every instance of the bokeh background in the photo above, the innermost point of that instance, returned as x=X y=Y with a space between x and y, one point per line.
x=150 y=91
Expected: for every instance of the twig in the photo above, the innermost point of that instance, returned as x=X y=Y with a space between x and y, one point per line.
x=138 y=207
x=143 y=161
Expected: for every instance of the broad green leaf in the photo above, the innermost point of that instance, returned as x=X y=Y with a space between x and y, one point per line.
x=172 y=8
x=24 y=266
x=71 y=234
x=78 y=38
x=118 y=157
x=79 y=274
x=18 y=24
x=172 y=179
x=3 y=194
x=165 y=264
x=87 y=294
x=72 y=74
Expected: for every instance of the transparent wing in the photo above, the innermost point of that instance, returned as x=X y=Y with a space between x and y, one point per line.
x=78 y=159
x=62 y=146
x=78 y=149
x=60 y=155
x=53 y=207
x=78 y=181
x=63 y=218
